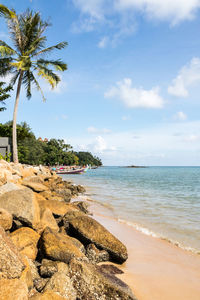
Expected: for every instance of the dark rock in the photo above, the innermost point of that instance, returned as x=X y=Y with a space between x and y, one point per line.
x=95 y=255
x=83 y=206
x=110 y=269
x=88 y=231
x=81 y=189
x=39 y=283
x=48 y=268
x=91 y=283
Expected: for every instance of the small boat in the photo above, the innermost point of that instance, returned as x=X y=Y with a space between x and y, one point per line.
x=68 y=171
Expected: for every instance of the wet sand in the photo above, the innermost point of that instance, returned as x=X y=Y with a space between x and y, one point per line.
x=155 y=269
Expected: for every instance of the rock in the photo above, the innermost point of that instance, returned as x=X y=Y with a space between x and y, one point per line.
x=91 y=283
x=110 y=269
x=11 y=265
x=22 y=205
x=46 y=220
x=81 y=189
x=39 y=283
x=48 y=268
x=8 y=187
x=58 y=246
x=26 y=240
x=61 y=284
x=34 y=179
x=95 y=255
x=64 y=193
x=88 y=231
x=56 y=207
x=13 y=289
x=82 y=206
x=36 y=187
x=48 y=295
x=26 y=275
x=5 y=219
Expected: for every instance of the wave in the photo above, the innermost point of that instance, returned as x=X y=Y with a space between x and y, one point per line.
x=148 y=232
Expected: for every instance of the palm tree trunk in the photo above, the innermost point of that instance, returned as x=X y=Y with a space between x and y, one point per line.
x=14 y=129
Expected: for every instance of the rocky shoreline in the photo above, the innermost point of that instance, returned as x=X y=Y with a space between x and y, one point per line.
x=50 y=247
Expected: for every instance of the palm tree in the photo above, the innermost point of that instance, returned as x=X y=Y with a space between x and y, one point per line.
x=4 y=94
x=26 y=57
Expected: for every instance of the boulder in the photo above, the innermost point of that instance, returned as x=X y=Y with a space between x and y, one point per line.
x=5 y=219
x=8 y=187
x=56 y=207
x=61 y=284
x=91 y=282
x=64 y=193
x=88 y=231
x=13 y=289
x=11 y=265
x=48 y=295
x=95 y=255
x=48 y=268
x=26 y=240
x=82 y=206
x=39 y=283
x=58 y=246
x=36 y=187
x=46 y=220
x=22 y=205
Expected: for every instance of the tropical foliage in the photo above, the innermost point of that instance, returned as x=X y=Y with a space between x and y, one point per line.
x=36 y=151
x=25 y=61
x=4 y=94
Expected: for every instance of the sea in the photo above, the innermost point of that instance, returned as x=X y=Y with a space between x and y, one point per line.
x=163 y=202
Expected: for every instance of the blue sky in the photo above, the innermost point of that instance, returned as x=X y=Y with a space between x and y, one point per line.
x=131 y=91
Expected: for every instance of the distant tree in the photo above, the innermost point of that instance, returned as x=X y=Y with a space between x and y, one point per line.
x=87 y=158
x=27 y=33
x=4 y=94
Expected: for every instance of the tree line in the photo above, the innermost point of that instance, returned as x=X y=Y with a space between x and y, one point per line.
x=51 y=152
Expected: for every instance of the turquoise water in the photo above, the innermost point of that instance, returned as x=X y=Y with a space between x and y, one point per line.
x=159 y=201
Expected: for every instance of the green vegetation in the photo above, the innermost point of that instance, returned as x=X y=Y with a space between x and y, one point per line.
x=26 y=58
x=36 y=151
x=4 y=94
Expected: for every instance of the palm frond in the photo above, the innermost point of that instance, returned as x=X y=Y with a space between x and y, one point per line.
x=6 y=50
x=38 y=87
x=14 y=78
x=57 y=64
x=48 y=75
x=59 y=46
x=7 y=13
x=27 y=79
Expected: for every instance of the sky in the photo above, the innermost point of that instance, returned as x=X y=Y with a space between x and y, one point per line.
x=131 y=94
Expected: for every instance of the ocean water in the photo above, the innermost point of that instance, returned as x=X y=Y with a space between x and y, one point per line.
x=160 y=201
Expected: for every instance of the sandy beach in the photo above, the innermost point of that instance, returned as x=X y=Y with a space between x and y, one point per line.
x=155 y=269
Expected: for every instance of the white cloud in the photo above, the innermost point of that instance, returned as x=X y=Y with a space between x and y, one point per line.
x=180 y=116
x=187 y=77
x=121 y=15
x=192 y=138
x=92 y=7
x=103 y=42
x=133 y=97
x=174 y=11
x=98 y=131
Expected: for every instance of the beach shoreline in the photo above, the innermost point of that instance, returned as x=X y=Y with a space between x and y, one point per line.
x=155 y=268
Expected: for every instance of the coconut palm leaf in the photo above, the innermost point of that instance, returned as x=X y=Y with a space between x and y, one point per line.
x=7 y=13
x=57 y=64
x=59 y=46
